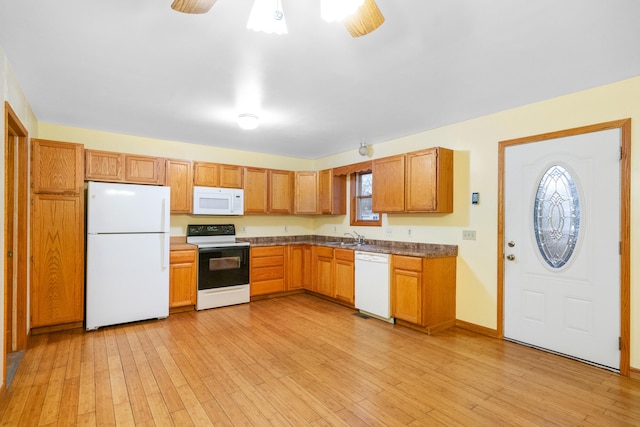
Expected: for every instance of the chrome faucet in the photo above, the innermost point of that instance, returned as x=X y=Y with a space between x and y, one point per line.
x=358 y=238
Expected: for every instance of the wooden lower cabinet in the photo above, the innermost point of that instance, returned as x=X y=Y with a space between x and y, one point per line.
x=344 y=275
x=423 y=292
x=299 y=267
x=57 y=260
x=183 y=273
x=267 y=270
x=323 y=280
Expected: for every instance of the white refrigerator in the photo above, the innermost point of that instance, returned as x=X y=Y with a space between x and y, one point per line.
x=127 y=253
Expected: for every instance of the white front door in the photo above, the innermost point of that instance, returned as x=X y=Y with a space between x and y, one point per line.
x=562 y=245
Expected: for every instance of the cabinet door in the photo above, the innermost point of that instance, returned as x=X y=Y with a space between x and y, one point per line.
x=231 y=176
x=388 y=184
x=206 y=174
x=104 y=166
x=182 y=278
x=144 y=169
x=323 y=282
x=181 y=183
x=255 y=190
x=57 y=167
x=430 y=181
x=57 y=255
x=406 y=288
x=295 y=280
x=307 y=276
x=280 y=191
x=421 y=190
x=344 y=275
x=332 y=193
x=306 y=199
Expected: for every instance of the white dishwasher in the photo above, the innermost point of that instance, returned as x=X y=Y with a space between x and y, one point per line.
x=372 y=285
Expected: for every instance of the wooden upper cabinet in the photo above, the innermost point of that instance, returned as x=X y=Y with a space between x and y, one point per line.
x=332 y=191
x=127 y=168
x=217 y=175
x=57 y=167
x=420 y=181
x=280 y=191
x=103 y=166
x=306 y=193
x=179 y=178
x=144 y=169
x=429 y=181
x=389 y=184
x=256 y=190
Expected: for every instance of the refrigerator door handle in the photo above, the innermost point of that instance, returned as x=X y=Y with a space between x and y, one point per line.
x=164 y=252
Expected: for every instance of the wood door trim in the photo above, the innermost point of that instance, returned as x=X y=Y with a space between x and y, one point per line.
x=625 y=225
x=13 y=128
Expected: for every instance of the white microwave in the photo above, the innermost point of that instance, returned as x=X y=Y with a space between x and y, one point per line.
x=218 y=201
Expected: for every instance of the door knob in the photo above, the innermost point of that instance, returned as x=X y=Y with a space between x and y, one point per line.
x=511 y=257
x=511 y=244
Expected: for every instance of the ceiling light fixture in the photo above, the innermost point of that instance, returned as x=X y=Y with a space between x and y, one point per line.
x=364 y=149
x=248 y=121
x=267 y=16
x=337 y=10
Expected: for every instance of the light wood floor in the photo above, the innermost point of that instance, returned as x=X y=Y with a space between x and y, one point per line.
x=300 y=360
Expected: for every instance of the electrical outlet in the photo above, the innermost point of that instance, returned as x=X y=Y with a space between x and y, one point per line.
x=389 y=231
x=468 y=234
x=243 y=229
x=409 y=232
x=335 y=229
x=286 y=228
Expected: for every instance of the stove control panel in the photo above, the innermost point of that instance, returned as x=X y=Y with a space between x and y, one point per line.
x=211 y=230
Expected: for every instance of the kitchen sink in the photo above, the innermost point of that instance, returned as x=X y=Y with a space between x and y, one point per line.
x=345 y=244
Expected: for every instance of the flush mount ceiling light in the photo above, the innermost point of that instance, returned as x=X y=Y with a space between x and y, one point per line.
x=364 y=149
x=248 y=121
x=359 y=17
x=267 y=16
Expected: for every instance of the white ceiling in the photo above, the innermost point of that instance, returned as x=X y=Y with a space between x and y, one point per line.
x=138 y=67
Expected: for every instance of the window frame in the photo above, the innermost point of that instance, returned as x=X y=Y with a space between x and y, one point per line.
x=353 y=217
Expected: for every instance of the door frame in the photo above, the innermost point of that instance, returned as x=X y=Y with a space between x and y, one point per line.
x=625 y=224
x=17 y=135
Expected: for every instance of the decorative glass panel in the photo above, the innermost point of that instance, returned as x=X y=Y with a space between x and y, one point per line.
x=556 y=216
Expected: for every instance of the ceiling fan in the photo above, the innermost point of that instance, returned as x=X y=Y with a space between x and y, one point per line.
x=365 y=20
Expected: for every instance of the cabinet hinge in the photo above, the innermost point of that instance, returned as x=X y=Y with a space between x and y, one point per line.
x=621 y=152
x=619 y=343
x=620 y=248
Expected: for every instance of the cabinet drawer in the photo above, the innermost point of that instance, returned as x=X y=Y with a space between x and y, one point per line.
x=266 y=251
x=267 y=273
x=407 y=263
x=344 y=254
x=324 y=251
x=267 y=261
x=267 y=287
x=181 y=256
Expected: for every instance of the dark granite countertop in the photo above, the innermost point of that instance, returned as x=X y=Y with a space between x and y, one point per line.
x=427 y=250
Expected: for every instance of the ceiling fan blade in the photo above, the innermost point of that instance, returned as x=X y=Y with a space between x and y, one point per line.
x=192 y=6
x=365 y=20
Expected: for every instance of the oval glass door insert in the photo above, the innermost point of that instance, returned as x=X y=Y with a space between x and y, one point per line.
x=556 y=216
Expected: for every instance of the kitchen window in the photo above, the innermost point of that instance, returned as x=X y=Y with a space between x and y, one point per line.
x=361 y=200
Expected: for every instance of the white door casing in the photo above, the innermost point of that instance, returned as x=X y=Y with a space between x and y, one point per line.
x=573 y=309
